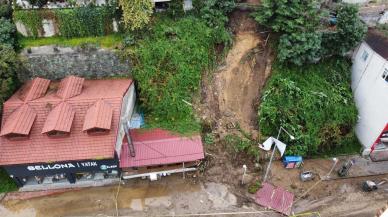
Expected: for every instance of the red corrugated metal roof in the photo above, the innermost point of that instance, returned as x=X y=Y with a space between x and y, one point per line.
x=36 y=89
x=59 y=119
x=70 y=86
x=78 y=145
x=275 y=198
x=98 y=116
x=160 y=147
x=19 y=122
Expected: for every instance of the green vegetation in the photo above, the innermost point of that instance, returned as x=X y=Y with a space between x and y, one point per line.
x=315 y=104
x=75 y=22
x=7 y=32
x=168 y=63
x=10 y=65
x=209 y=139
x=306 y=31
x=6 y=183
x=253 y=188
x=109 y=41
x=383 y=28
x=241 y=144
x=136 y=13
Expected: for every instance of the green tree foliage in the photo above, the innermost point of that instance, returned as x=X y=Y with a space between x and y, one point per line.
x=299 y=48
x=5 y=10
x=136 y=13
x=300 y=22
x=349 y=31
x=215 y=13
x=7 y=32
x=10 y=65
x=289 y=16
x=168 y=64
x=314 y=103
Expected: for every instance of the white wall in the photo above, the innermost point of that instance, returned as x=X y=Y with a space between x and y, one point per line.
x=126 y=114
x=371 y=94
x=356 y=1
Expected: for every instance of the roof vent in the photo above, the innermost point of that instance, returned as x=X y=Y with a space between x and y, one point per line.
x=98 y=116
x=36 y=89
x=59 y=119
x=19 y=122
x=70 y=86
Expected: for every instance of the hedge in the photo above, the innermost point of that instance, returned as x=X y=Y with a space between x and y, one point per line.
x=71 y=22
x=315 y=104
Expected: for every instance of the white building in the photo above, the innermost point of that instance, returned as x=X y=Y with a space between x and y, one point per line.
x=370 y=89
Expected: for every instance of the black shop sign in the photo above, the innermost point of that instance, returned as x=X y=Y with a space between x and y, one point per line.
x=62 y=167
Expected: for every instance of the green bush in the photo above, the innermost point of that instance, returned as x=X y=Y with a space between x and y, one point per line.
x=168 y=63
x=314 y=103
x=7 y=32
x=241 y=145
x=75 y=22
x=6 y=10
x=175 y=8
x=10 y=65
x=254 y=187
x=6 y=183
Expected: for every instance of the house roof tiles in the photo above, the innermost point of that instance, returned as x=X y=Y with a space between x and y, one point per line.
x=78 y=145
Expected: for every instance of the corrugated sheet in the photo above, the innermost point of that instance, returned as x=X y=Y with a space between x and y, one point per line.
x=98 y=116
x=37 y=89
x=275 y=198
x=70 y=86
x=59 y=119
x=19 y=122
x=160 y=147
x=78 y=145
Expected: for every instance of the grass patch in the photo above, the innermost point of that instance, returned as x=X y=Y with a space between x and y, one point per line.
x=109 y=41
x=315 y=104
x=6 y=183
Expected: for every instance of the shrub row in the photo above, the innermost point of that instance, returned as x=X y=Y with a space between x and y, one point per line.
x=74 y=22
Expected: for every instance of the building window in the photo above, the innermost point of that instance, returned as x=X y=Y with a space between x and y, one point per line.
x=364 y=56
x=385 y=74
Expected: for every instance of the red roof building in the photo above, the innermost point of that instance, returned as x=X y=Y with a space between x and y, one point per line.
x=160 y=147
x=34 y=115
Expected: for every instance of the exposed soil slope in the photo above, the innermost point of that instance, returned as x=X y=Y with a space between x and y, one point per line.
x=231 y=95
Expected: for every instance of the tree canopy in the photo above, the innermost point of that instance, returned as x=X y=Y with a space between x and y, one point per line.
x=306 y=34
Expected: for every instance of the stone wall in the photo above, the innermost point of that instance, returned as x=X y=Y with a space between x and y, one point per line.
x=54 y=63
